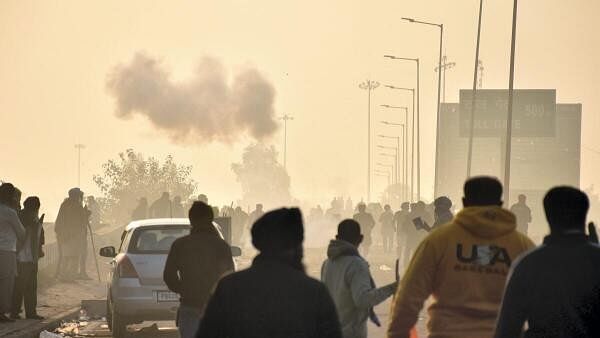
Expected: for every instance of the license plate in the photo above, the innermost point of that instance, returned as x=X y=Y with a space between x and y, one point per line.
x=166 y=296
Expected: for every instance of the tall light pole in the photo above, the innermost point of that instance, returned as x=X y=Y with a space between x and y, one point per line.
x=285 y=119
x=383 y=174
x=79 y=146
x=510 y=105
x=387 y=166
x=369 y=85
x=402 y=171
x=412 y=152
x=416 y=60
x=395 y=156
x=437 y=132
x=474 y=95
x=405 y=146
x=445 y=66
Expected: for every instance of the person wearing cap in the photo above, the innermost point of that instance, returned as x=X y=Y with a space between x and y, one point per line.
x=194 y=265
x=71 y=231
x=463 y=265
x=347 y=277
x=275 y=297
x=441 y=213
x=11 y=230
x=555 y=288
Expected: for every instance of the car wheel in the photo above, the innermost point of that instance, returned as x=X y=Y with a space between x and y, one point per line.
x=118 y=326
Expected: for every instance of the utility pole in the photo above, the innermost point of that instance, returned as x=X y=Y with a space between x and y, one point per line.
x=369 y=85
x=79 y=146
x=510 y=105
x=285 y=118
x=474 y=94
x=445 y=66
x=480 y=74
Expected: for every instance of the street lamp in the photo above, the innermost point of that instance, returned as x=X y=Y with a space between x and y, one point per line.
x=401 y=174
x=405 y=151
x=79 y=146
x=383 y=174
x=369 y=86
x=416 y=60
x=285 y=119
x=414 y=134
x=511 y=78
x=437 y=132
x=396 y=157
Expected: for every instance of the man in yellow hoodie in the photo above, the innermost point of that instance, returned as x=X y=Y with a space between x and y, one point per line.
x=463 y=265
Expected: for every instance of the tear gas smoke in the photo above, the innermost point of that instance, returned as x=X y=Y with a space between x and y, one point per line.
x=204 y=109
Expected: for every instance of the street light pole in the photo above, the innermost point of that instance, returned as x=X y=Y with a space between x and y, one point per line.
x=401 y=173
x=285 y=119
x=437 y=132
x=474 y=95
x=445 y=66
x=369 y=86
x=418 y=135
x=510 y=105
x=79 y=146
x=405 y=146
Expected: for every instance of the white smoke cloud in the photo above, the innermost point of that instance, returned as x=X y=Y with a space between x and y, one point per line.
x=204 y=109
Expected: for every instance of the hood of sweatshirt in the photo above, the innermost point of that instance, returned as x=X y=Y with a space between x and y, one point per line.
x=338 y=248
x=486 y=222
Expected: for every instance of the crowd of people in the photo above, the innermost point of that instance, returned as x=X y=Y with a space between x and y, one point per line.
x=485 y=278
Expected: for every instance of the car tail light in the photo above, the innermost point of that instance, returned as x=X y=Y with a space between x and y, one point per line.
x=126 y=269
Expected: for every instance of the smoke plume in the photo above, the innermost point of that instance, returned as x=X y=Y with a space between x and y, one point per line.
x=206 y=108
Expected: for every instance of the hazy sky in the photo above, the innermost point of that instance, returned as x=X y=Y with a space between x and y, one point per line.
x=56 y=56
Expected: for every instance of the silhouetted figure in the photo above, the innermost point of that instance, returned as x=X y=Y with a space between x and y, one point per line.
x=367 y=223
x=404 y=230
x=274 y=297
x=95 y=214
x=349 y=207
x=464 y=266
x=71 y=234
x=523 y=214
x=11 y=231
x=27 y=261
x=161 y=208
x=202 y=198
x=556 y=288
x=388 y=230
x=441 y=213
x=177 y=207
x=256 y=214
x=194 y=265
x=141 y=210
x=348 y=279
x=239 y=221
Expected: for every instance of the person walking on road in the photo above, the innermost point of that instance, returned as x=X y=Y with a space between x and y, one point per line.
x=274 y=297
x=464 y=266
x=556 y=287
x=162 y=207
x=194 y=265
x=11 y=230
x=27 y=261
x=523 y=214
x=367 y=223
x=348 y=279
x=388 y=230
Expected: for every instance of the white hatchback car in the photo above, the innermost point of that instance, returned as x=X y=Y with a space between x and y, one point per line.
x=136 y=290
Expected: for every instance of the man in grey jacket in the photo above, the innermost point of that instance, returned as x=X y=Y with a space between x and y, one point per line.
x=348 y=279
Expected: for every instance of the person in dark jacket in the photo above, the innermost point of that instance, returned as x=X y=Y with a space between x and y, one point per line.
x=141 y=210
x=274 y=297
x=71 y=234
x=27 y=261
x=194 y=265
x=556 y=287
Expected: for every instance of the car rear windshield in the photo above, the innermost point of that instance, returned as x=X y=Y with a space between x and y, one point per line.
x=156 y=239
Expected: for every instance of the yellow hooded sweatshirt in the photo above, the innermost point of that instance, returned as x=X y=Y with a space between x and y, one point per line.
x=463 y=265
